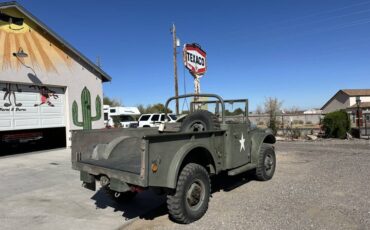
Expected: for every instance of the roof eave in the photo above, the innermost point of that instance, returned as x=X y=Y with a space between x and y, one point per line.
x=332 y=98
x=105 y=76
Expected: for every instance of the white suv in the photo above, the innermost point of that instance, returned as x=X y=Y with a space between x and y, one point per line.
x=155 y=119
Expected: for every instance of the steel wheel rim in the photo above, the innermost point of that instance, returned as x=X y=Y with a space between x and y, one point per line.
x=195 y=194
x=269 y=163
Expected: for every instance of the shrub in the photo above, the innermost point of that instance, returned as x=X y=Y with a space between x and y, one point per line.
x=272 y=107
x=336 y=124
x=296 y=133
x=297 y=122
x=272 y=125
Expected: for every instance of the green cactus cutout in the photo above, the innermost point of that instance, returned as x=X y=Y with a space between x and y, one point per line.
x=87 y=119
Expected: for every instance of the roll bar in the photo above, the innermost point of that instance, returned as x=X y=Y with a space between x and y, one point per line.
x=197 y=95
x=244 y=101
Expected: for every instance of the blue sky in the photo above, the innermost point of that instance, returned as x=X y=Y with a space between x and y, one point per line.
x=301 y=52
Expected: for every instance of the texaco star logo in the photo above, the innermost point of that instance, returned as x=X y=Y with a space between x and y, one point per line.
x=242 y=142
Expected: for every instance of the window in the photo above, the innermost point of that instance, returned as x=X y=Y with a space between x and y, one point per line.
x=125 y=118
x=155 y=117
x=168 y=117
x=144 y=118
x=112 y=110
x=105 y=116
x=116 y=120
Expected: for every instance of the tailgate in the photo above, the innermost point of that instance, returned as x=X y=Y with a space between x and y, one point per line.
x=119 y=154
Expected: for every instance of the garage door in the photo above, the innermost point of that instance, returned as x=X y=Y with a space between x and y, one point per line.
x=31 y=107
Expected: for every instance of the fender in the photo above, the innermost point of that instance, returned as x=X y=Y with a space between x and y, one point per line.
x=102 y=151
x=177 y=160
x=257 y=139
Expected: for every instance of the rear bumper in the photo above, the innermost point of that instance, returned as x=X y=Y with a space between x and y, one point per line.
x=89 y=182
x=120 y=181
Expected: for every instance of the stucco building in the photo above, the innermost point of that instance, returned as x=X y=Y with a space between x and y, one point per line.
x=47 y=87
x=346 y=99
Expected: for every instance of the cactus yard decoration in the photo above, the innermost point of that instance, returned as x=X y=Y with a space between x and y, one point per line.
x=87 y=119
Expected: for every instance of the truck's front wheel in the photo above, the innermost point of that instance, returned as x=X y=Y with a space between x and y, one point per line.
x=190 y=200
x=266 y=163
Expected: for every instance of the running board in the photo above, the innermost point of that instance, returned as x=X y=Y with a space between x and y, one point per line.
x=241 y=169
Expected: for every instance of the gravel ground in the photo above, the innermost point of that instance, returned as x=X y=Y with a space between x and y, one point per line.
x=317 y=185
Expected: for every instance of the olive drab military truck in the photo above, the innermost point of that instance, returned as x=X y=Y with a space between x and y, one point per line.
x=176 y=159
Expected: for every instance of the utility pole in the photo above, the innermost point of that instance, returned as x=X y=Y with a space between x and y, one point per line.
x=174 y=38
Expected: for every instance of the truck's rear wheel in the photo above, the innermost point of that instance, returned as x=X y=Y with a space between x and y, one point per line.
x=120 y=197
x=266 y=163
x=199 y=121
x=190 y=200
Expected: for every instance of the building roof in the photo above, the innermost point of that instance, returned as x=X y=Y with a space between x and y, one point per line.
x=362 y=105
x=97 y=69
x=349 y=93
x=357 y=92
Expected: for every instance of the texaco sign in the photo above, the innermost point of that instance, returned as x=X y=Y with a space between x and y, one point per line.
x=195 y=59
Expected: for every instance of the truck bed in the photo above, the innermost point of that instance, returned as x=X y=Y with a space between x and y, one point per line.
x=127 y=162
x=126 y=155
x=89 y=148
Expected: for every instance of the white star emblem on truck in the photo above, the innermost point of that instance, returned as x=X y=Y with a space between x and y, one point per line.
x=242 y=142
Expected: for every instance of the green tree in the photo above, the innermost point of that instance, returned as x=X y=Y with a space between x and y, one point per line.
x=141 y=108
x=113 y=102
x=272 y=108
x=155 y=108
x=293 y=110
x=336 y=124
x=237 y=111
x=159 y=108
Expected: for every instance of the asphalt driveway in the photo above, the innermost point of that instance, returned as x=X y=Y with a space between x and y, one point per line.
x=41 y=191
x=317 y=185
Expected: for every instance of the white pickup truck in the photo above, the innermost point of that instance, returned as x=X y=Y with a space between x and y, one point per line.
x=155 y=119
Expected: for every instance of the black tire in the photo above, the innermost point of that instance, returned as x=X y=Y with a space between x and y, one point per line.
x=266 y=163
x=120 y=197
x=190 y=200
x=201 y=120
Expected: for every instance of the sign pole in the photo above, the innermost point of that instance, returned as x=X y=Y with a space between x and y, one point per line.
x=196 y=88
x=196 y=84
